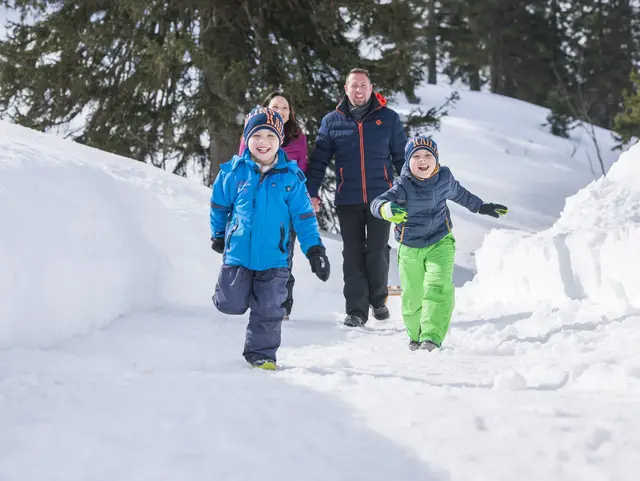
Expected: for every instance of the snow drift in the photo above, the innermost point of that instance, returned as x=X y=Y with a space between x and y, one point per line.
x=588 y=256
x=88 y=237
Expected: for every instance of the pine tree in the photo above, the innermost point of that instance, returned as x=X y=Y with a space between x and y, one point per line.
x=168 y=81
x=392 y=32
x=627 y=122
x=603 y=47
x=463 y=42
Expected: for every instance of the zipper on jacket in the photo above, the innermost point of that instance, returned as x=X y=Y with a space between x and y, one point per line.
x=341 y=179
x=235 y=227
x=364 y=175
x=281 y=243
x=446 y=220
x=386 y=176
x=402 y=233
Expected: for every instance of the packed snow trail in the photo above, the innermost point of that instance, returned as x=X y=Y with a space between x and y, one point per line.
x=166 y=395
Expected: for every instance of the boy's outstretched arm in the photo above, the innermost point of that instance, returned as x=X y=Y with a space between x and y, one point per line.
x=462 y=196
x=390 y=206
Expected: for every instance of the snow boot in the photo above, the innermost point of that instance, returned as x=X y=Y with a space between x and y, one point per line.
x=265 y=364
x=413 y=345
x=428 y=346
x=354 y=321
x=381 y=313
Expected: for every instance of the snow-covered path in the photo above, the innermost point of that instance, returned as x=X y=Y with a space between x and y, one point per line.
x=166 y=396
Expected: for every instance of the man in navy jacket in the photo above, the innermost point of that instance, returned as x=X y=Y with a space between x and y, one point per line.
x=367 y=140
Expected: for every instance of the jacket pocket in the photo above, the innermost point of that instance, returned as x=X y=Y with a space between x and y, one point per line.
x=386 y=176
x=341 y=179
x=282 y=239
x=233 y=229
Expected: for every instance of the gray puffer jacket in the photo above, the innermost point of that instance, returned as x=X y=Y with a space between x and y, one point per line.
x=429 y=219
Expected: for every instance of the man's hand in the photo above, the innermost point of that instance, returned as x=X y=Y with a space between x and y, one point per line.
x=315 y=203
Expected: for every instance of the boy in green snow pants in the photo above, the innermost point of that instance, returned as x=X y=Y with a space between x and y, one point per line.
x=417 y=204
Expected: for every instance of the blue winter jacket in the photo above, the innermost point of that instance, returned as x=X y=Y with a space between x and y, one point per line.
x=254 y=212
x=365 y=152
x=429 y=219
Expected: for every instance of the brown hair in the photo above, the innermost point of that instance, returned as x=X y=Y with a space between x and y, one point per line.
x=291 y=127
x=359 y=70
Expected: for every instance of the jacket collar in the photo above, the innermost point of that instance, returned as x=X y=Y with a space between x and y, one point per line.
x=377 y=102
x=245 y=158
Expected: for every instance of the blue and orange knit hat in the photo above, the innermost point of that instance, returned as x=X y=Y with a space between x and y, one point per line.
x=420 y=142
x=263 y=118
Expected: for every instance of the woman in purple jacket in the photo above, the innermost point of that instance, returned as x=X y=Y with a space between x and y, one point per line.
x=295 y=146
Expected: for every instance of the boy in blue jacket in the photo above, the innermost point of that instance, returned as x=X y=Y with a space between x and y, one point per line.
x=417 y=204
x=256 y=198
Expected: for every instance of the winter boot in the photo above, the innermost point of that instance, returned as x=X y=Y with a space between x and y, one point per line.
x=413 y=345
x=265 y=364
x=428 y=346
x=381 y=313
x=354 y=321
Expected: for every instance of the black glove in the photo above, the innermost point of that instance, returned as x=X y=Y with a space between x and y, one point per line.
x=319 y=262
x=494 y=210
x=217 y=244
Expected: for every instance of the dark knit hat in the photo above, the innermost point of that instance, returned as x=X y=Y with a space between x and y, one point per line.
x=420 y=142
x=263 y=118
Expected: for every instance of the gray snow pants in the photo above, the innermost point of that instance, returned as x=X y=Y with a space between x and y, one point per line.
x=263 y=292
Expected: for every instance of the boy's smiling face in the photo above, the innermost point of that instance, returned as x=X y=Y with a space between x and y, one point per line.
x=422 y=164
x=264 y=145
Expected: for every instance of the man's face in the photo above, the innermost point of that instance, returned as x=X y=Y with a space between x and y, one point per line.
x=358 y=88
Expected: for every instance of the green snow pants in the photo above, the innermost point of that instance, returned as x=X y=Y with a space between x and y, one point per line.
x=426 y=276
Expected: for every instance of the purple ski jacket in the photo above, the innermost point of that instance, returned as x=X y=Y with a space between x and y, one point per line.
x=296 y=150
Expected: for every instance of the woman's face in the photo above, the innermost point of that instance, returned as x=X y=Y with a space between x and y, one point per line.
x=280 y=105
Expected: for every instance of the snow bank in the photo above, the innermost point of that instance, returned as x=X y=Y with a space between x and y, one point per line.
x=589 y=255
x=88 y=237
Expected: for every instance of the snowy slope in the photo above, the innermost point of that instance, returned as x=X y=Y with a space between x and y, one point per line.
x=115 y=365
x=499 y=149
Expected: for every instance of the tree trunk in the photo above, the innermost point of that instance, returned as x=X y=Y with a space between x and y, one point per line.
x=495 y=51
x=474 y=80
x=432 y=44
x=221 y=150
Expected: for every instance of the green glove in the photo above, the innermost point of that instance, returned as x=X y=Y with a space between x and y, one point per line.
x=392 y=212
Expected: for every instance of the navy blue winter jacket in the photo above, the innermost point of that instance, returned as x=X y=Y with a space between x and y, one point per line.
x=366 y=152
x=429 y=219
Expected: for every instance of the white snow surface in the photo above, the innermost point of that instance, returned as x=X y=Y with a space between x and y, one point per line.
x=114 y=364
